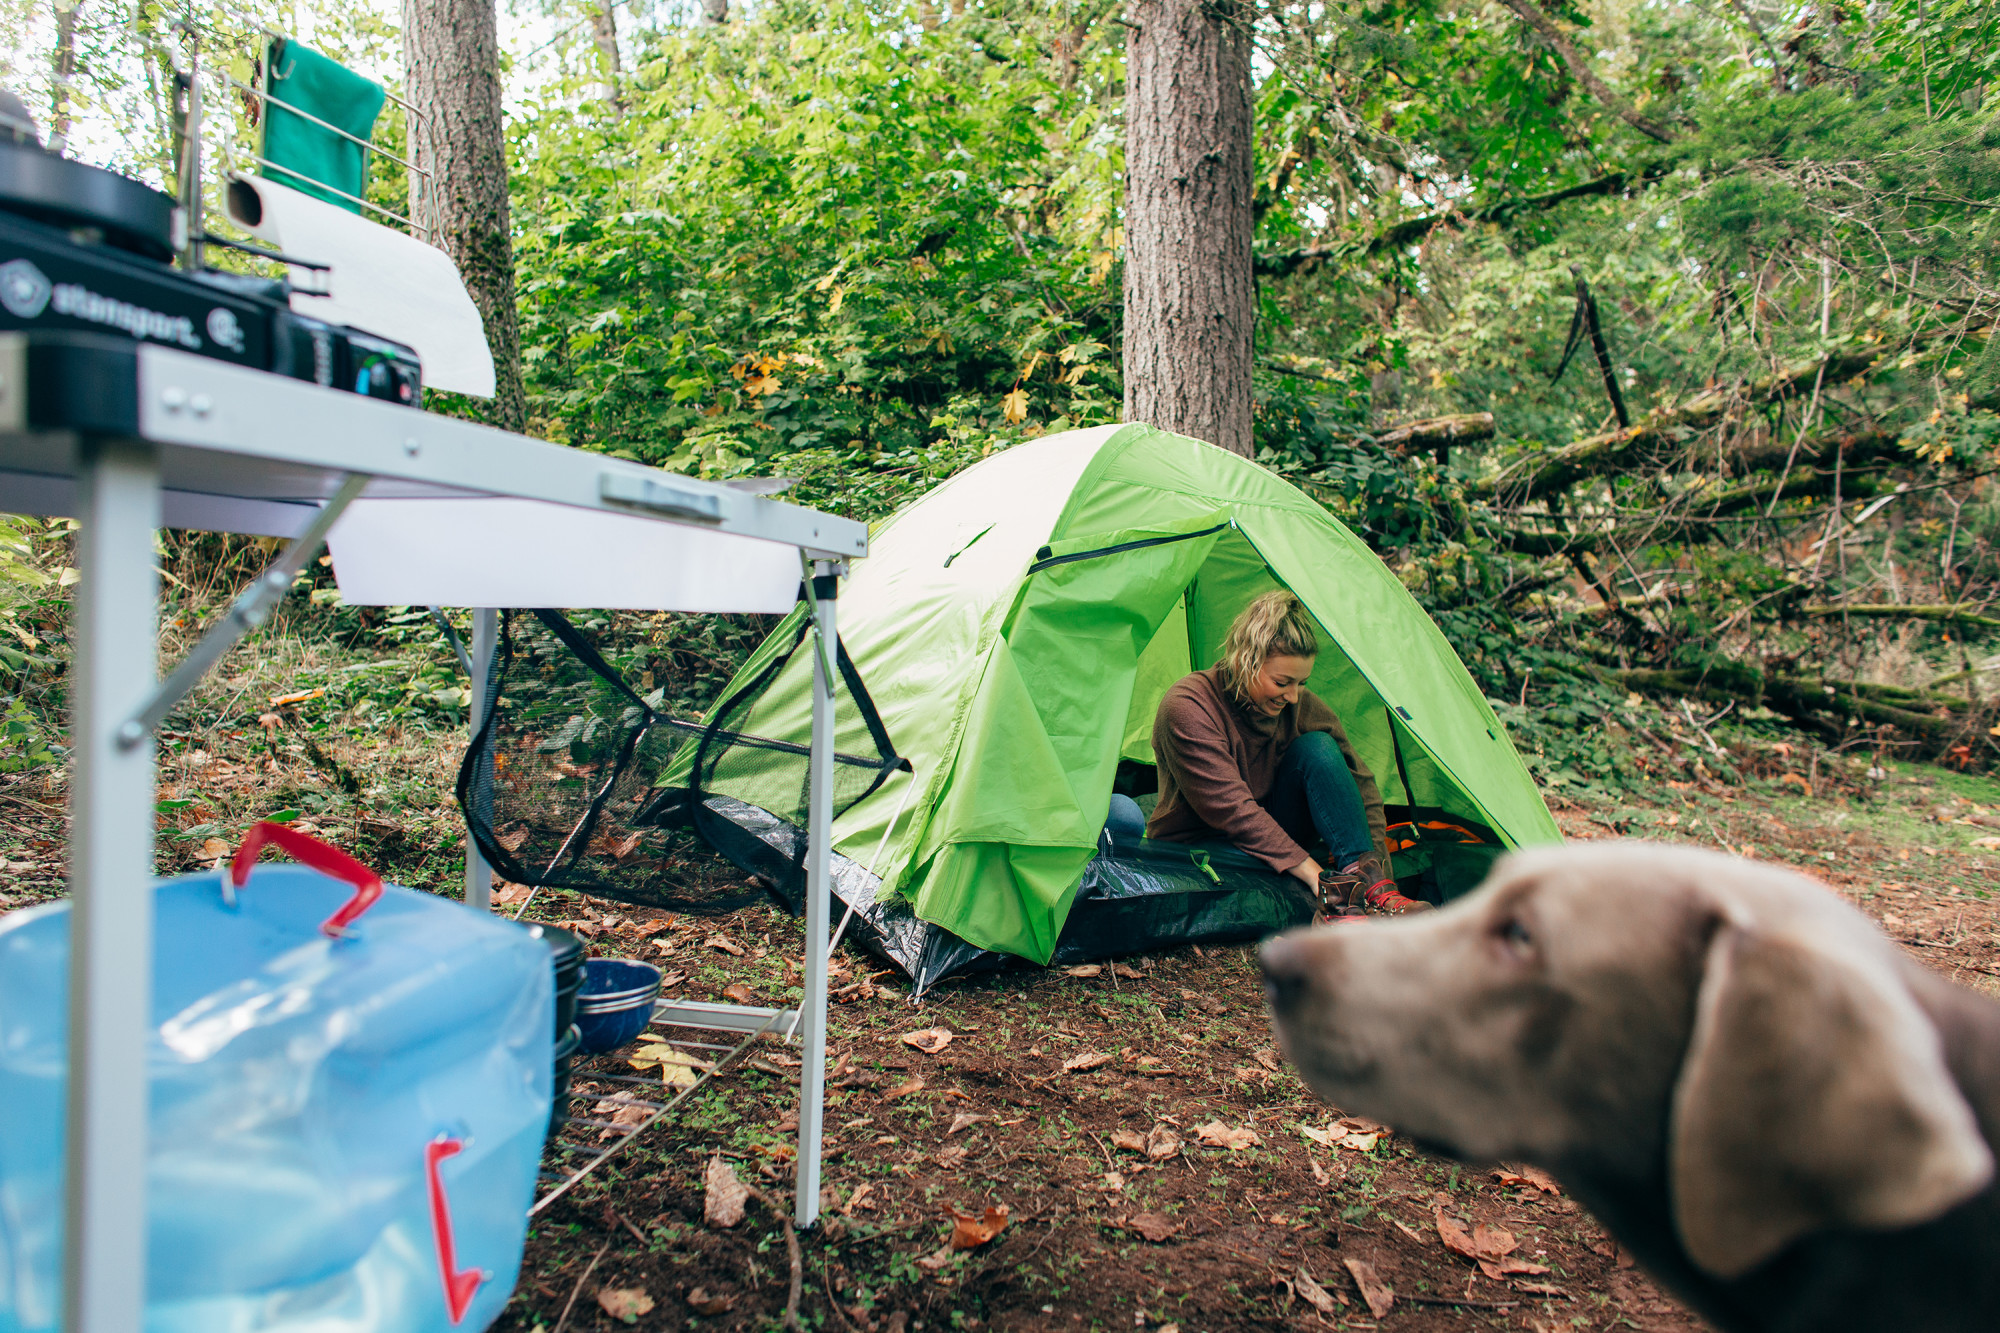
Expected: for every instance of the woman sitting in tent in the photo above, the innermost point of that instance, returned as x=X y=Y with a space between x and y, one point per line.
x=1246 y=753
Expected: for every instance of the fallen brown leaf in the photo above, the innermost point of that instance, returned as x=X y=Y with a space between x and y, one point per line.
x=858 y=1199
x=701 y=1302
x=739 y=993
x=512 y=841
x=932 y=1262
x=948 y=1158
x=1162 y=1143
x=725 y=1195
x=903 y=1090
x=1455 y=1237
x=969 y=1232
x=964 y=1120
x=1129 y=1140
x=1320 y=1175
x=1318 y=1297
x=1373 y=1290
x=724 y=943
x=214 y=849
x=1084 y=1061
x=1127 y=972
x=672 y=978
x=928 y=1040
x=1218 y=1135
x=1497 y=1269
x=625 y=1304
x=1266 y=1056
x=1527 y=1175
x=1412 y=1233
x=1084 y=970
x=1152 y=1226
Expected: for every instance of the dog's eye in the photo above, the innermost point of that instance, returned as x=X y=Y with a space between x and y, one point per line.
x=1515 y=935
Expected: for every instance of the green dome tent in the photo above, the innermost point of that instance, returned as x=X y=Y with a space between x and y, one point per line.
x=1018 y=625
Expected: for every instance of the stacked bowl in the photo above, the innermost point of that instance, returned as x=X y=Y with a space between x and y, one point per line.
x=615 y=1003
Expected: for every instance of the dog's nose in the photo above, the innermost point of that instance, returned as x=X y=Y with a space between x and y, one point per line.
x=1285 y=975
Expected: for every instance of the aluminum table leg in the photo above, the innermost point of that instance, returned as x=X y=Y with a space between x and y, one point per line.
x=111 y=875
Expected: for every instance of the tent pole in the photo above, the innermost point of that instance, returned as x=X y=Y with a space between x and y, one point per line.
x=111 y=870
x=819 y=895
x=479 y=875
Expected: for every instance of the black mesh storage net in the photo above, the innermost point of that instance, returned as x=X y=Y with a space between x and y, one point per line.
x=575 y=780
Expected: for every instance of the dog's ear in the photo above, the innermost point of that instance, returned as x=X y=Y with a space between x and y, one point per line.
x=1814 y=1095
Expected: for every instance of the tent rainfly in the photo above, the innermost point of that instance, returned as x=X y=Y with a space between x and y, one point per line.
x=1018 y=626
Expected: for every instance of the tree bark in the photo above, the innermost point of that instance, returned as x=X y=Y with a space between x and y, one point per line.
x=451 y=52
x=604 y=34
x=1190 y=301
x=65 y=69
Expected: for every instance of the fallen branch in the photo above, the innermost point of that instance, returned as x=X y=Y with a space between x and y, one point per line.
x=1581 y=71
x=1559 y=469
x=792 y=1248
x=1955 y=612
x=1411 y=230
x=1434 y=432
x=588 y=1269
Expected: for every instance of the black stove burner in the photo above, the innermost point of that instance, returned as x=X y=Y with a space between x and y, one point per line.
x=70 y=194
x=84 y=250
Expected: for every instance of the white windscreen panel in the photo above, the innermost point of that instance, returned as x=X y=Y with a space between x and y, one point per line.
x=501 y=552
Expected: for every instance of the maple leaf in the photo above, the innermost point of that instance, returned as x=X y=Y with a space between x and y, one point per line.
x=1015 y=407
x=969 y=1232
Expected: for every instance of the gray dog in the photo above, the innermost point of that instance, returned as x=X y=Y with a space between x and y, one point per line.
x=1780 y=1115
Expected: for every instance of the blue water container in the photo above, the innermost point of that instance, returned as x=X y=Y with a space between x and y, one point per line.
x=348 y=1103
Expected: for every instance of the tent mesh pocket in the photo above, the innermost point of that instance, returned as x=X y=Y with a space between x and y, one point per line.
x=576 y=781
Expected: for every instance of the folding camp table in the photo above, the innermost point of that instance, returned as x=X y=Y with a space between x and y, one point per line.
x=132 y=437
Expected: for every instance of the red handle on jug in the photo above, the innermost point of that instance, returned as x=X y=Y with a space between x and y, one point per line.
x=328 y=860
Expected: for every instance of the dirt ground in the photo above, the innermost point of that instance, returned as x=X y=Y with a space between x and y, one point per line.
x=1158 y=1165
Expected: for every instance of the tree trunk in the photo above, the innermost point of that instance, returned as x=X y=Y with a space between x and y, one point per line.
x=65 y=71
x=1189 y=298
x=451 y=52
x=604 y=32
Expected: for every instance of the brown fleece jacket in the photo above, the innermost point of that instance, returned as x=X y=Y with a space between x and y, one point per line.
x=1217 y=761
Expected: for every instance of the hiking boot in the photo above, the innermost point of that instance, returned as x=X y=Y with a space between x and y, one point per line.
x=1389 y=900
x=1342 y=892
x=1337 y=890
x=1374 y=888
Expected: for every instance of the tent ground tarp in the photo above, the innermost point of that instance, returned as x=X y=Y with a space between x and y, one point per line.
x=1018 y=625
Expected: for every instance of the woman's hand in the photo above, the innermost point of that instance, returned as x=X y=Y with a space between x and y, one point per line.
x=1307 y=873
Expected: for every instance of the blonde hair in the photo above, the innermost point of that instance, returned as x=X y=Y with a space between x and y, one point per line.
x=1274 y=625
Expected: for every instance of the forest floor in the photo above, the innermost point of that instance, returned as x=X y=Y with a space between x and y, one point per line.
x=1159 y=1166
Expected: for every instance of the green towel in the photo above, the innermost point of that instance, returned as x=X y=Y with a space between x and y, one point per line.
x=304 y=78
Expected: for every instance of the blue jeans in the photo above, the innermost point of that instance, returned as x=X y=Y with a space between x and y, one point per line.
x=1313 y=798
